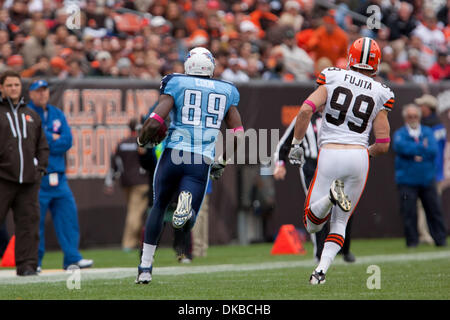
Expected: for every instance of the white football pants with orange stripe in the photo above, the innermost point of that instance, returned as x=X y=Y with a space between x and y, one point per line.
x=350 y=166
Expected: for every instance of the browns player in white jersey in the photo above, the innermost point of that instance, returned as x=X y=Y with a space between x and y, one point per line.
x=352 y=103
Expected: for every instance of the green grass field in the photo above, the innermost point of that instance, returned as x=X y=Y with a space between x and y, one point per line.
x=249 y=273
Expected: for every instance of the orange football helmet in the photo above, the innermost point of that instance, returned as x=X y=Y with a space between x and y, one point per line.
x=365 y=54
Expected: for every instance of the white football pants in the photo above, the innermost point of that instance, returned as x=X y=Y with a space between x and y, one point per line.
x=352 y=167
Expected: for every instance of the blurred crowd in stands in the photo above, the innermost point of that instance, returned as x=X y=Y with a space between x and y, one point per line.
x=285 y=40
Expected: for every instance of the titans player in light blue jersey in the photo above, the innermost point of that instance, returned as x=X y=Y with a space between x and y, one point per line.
x=197 y=105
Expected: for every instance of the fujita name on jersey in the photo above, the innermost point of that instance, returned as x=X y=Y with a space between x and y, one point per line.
x=358 y=82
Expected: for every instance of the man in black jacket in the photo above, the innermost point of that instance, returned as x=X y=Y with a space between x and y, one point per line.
x=24 y=155
x=310 y=144
x=402 y=22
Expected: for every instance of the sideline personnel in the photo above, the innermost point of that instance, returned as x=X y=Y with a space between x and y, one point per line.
x=55 y=193
x=23 y=161
x=415 y=167
x=134 y=181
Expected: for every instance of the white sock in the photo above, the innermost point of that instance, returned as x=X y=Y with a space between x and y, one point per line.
x=338 y=224
x=147 y=255
x=321 y=207
x=330 y=250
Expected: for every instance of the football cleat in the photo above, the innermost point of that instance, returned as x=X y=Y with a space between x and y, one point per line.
x=144 y=275
x=317 y=277
x=337 y=196
x=183 y=212
x=349 y=257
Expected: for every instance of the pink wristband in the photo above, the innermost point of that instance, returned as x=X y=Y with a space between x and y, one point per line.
x=385 y=140
x=241 y=128
x=311 y=104
x=157 y=118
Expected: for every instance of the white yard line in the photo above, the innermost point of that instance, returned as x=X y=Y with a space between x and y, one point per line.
x=9 y=276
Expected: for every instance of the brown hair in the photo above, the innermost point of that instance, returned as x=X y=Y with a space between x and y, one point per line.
x=8 y=73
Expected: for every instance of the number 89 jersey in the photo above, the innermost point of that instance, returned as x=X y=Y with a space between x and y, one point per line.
x=200 y=106
x=353 y=101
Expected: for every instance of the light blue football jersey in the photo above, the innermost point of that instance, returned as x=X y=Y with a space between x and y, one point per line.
x=200 y=106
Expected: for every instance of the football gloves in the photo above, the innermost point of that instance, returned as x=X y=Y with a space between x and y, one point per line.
x=157 y=139
x=297 y=155
x=217 y=169
x=148 y=145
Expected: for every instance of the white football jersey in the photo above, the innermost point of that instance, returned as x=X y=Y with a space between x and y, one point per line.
x=353 y=102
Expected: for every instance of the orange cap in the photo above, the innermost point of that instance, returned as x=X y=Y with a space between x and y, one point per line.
x=58 y=62
x=330 y=17
x=66 y=52
x=15 y=60
x=95 y=64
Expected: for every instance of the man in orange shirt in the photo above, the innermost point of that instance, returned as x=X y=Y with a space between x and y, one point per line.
x=262 y=17
x=197 y=17
x=329 y=40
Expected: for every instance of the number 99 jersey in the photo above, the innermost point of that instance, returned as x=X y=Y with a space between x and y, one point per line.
x=353 y=102
x=200 y=106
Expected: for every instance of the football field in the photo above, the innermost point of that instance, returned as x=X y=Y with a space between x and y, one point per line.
x=384 y=269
